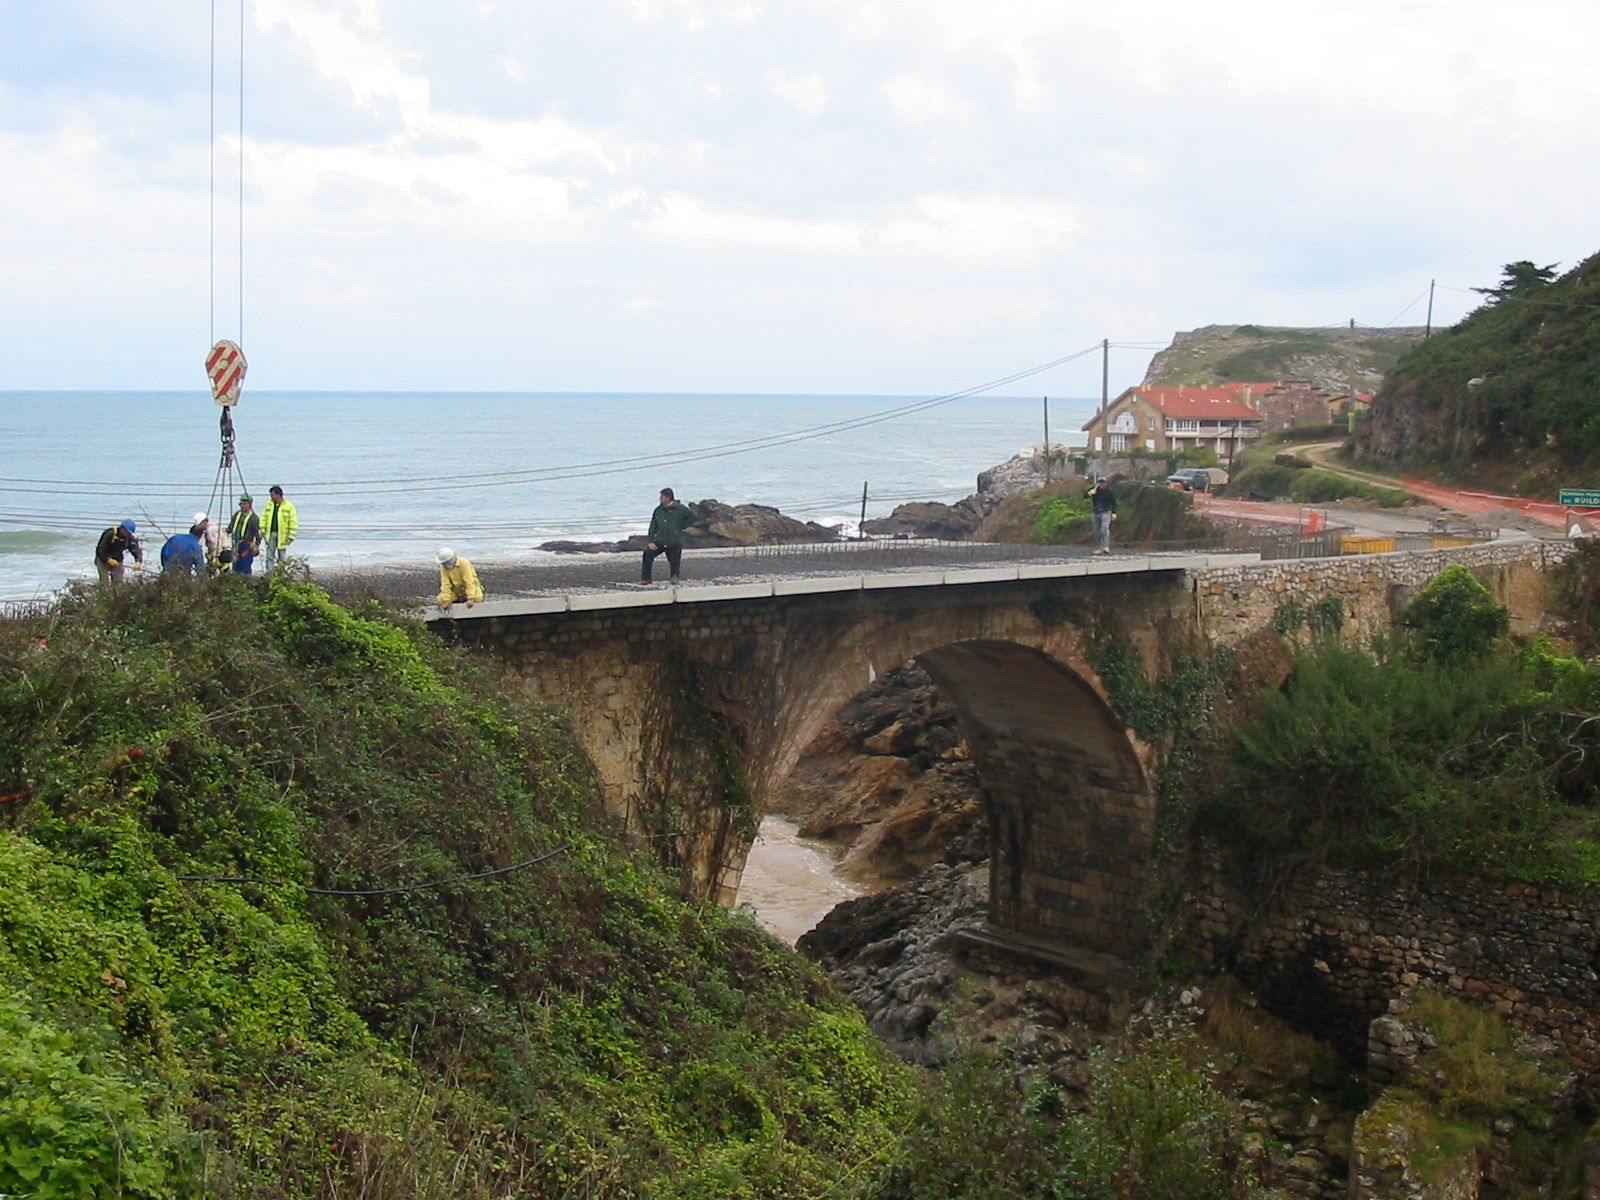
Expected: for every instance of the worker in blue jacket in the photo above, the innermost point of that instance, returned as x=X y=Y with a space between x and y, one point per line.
x=183 y=553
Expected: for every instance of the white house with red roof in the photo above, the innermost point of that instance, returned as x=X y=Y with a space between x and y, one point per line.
x=1219 y=417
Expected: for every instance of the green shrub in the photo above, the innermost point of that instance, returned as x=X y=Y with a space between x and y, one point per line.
x=1062 y=519
x=1483 y=762
x=1454 y=618
x=1157 y=1127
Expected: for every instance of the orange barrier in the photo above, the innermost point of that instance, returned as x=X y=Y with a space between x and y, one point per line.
x=1546 y=512
x=1253 y=512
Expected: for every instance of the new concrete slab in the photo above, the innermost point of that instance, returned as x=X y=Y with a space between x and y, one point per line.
x=1117 y=564
x=520 y=607
x=723 y=591
x=981 y=575
x=1057 y=570
x=643 y=598
x=807 y=587
x=903 y=579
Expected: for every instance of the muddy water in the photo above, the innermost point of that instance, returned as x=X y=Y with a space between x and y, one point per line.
x=789 y=882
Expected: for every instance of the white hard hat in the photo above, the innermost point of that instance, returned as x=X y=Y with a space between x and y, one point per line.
x=199 y=519
x=446 y=555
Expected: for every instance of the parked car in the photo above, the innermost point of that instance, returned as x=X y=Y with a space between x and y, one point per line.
x=1191 y=479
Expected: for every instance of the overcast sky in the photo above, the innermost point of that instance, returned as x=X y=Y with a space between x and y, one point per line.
x=887 y=196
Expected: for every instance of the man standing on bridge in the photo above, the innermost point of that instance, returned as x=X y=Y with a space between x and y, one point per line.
x=1104 y=501
x=666 y=535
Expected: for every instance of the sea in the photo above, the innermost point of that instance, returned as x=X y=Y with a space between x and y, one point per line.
x=388 y=477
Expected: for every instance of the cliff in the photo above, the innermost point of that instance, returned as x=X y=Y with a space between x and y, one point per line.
x=1510 y=396
x=1337 y=360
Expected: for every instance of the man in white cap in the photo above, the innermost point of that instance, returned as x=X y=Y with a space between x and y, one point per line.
x=210 y=536
x=457 y=580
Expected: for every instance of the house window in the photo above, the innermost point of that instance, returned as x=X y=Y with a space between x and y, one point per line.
x=1183 y=426
x=1119 y=441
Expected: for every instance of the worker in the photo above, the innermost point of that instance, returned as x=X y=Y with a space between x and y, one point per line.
x=183 y=554
x=279 y=523
x=458 y=581
x=245 y=532
x=114 y=543
x=204 y=528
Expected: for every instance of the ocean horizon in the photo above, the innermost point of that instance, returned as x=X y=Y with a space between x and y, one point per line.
x=385 y=477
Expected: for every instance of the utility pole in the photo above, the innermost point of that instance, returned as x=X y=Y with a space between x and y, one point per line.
x=861 y=529
x=1047 y=439
x=1427 y=330
x=1105 y=387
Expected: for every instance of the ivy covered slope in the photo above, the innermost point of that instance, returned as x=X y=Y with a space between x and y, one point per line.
x=205 y=988
x=1509 y=397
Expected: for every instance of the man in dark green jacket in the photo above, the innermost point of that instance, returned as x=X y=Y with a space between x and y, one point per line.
x=666 y=535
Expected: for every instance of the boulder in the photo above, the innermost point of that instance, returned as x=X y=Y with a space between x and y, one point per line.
x=718 y=525
x=931 y=519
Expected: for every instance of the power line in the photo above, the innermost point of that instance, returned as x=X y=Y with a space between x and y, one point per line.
x=477 y=480
x=1512 y=299
x=1408 y=307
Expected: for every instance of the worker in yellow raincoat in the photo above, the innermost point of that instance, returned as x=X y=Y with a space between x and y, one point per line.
x=458 y=581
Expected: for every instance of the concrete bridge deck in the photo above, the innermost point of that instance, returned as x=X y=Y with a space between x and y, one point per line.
x=593 y=582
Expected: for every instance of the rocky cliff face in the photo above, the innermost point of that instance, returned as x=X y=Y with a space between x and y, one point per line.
x=892 y=780
x=1336 y=360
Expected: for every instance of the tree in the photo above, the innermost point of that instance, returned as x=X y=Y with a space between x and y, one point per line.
x=1518 y=279
x=1454 y=618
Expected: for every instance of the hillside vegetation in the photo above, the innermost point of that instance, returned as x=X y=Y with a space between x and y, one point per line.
x=1441 y=749
x=1060 y=514
x=1341 y=360
x=286 y=911
x=1275 y=469
x=290 y=908
x=1508 y=397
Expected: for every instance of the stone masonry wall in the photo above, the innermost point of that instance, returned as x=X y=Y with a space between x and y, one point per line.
x=1336 y=947
x=1233 y=603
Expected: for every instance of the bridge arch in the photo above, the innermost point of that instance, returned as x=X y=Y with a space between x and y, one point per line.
x=1070 y=808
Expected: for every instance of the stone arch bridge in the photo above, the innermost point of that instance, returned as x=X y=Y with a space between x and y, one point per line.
x=695 y=701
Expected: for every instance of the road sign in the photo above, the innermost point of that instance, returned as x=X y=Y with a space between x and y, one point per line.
x=226 y=367
x=1580 y=497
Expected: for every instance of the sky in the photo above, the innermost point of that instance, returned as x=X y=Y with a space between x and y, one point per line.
x=908 y=197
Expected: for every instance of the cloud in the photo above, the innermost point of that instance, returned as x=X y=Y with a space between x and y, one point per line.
x=926 y=101
x=873 y=195
x=807 y=93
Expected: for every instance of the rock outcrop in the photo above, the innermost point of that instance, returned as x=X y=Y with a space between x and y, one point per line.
x=953 y=522
x=891 y=779
x=718 y=526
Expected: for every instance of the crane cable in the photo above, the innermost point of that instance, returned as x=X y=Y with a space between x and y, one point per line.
x=221 y=499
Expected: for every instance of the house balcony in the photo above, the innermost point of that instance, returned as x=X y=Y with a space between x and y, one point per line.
x=1181 y=430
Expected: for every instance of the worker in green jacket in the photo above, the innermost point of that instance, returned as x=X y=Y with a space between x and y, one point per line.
x=666 y=535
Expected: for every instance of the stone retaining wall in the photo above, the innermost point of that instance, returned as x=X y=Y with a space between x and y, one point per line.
x=1234 y=603
x=1336 y=947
